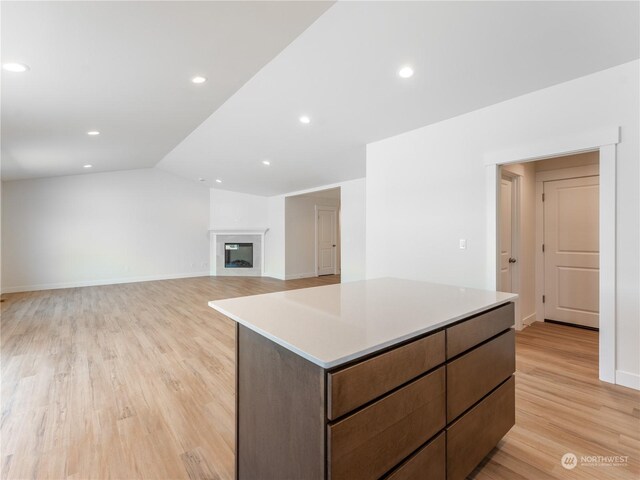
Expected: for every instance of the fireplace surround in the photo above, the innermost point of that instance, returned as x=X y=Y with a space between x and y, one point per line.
x=237 y=252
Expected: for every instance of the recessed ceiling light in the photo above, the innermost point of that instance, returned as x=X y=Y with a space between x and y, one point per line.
x=405 y=72
x=304 y=119
x=218 y=180
x=87 y=166
x=198 y=79
x=266 y=162
x=15 y=67
x=93 y=133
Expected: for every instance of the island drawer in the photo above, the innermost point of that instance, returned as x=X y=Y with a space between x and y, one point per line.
x=374 y=440
x=474 y=435
x=474 y=374
x=351 y=387
x=469 y=333
x=428 y=462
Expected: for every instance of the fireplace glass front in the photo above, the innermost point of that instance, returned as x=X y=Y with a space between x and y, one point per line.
x=238 y=255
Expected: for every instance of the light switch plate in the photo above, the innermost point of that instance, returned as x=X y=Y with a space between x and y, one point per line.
x=463 y=244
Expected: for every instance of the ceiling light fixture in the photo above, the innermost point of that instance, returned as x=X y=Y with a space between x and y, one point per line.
x=201 y=180
x=218 y=180
x=93 y=133
x=198 y=79
x=405 y=72
x=304 y=119
x=266 y=162
x=15 y=67
x=88 y=165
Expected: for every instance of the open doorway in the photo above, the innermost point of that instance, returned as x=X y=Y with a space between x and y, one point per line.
x=312 y=234
x=604 y=141
x=549 y=238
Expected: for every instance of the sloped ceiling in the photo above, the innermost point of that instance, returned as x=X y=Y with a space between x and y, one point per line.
x=124 y=67
x=342 y=73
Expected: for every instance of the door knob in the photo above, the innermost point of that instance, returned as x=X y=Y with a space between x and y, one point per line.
x=512 y=260
x=333 y=245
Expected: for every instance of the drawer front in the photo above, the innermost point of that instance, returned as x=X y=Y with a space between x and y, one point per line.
x=475 y=434
x=429 y=462
x=365 y=381
x=372 y=441
x=468 y=334
x=474 y=374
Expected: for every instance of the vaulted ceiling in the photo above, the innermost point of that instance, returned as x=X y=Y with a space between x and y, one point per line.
x=124 y=67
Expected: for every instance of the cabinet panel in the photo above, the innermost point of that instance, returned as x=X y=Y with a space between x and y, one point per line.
x=365 y=381
x=474 y=374
x=473 y=436
x=279 y=412
x=468 y=334
x=428 y=463
x=374 y=440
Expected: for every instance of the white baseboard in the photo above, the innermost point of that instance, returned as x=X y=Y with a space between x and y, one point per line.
x=529 y=319
x=273 y=275
x=627 y=379
x=294 y=276
x=109 y=281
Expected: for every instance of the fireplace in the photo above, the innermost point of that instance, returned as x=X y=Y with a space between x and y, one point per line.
x=238 y=255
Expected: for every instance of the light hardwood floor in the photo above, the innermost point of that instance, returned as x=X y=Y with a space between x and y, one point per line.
x=137 y=381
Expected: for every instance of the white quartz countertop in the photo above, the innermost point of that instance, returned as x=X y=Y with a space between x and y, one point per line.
x=335 y=324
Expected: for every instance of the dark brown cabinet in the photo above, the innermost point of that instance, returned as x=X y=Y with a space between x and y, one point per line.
x=432 y=407
x=372 y=441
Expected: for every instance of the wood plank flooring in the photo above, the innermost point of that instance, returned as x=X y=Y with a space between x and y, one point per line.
x=122 y=381
x=562 y=407
x=137 y=381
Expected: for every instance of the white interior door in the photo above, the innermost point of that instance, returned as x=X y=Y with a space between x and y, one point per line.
x=506 y=235
x=327 y=240
x=572 y=250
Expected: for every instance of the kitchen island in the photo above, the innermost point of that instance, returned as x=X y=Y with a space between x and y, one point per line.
x=382 y=378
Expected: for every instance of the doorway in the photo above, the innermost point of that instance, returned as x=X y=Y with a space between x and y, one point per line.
x=312 y=234
x=549 y=239
x=604 y=141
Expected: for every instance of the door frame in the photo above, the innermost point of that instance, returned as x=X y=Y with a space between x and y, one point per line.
x=604 y=140
x=541 y=177
x=317 y=245
x=515 y=238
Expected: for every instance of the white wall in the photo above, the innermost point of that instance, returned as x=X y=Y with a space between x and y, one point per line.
x=353 y=235
x=102 y=228
x=1 y=243
x=300 y=233
x=427 y=186
x=567 y=161
x=229 y=210
x=274 y=240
